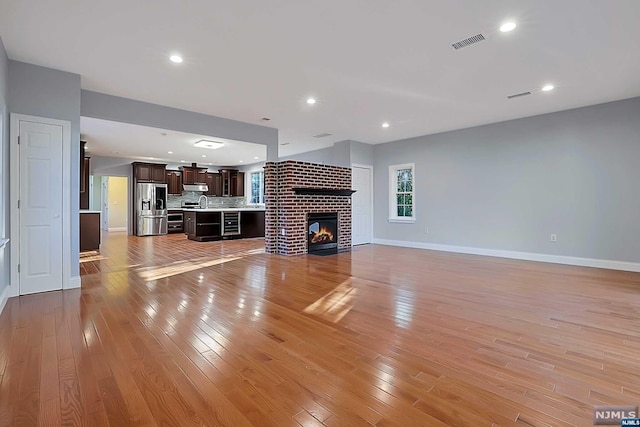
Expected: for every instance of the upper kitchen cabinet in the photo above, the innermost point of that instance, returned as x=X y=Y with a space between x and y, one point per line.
x=84 y=177
x=174 y=182
x=232 y=182
x=149 y=172
x=214 y=183
x=201 y=176
x=193 y=174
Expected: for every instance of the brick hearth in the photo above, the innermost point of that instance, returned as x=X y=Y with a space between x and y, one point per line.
x=288 y=211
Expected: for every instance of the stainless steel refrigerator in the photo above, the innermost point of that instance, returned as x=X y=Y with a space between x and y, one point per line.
x=151 y=209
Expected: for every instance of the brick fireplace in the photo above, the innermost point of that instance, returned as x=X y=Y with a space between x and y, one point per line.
x=293 y=190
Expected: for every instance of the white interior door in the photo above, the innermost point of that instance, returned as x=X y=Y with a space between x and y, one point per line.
x=40 y=207
x=361 y=205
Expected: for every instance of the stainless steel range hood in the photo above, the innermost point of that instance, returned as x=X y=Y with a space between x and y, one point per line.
x=195 y=187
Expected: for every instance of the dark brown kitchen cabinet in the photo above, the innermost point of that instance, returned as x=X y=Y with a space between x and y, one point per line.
x=193 y=175
x=89 y=231
x=83 y=169
x=188 y=176
x=158 y=173
x=252 y=224
x=189 y=223
x=201 y=176
x=214 y=183
x=237 y=184
x=84 y=177
x=232 y=182
x=174 y=182
x=203 y=226
x=149 y=172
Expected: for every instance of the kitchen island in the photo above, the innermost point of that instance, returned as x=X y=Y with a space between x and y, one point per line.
x=89 y=230
x=208 y=224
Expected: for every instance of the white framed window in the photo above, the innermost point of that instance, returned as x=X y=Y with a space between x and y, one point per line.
x=402 y=193
x=256 y=188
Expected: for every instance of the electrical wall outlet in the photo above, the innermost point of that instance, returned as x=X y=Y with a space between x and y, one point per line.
x=554 y=238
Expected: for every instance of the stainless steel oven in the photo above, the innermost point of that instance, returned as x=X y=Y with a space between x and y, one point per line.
x=174 y=221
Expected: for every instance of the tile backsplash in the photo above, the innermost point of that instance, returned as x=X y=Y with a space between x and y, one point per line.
x=174 y=201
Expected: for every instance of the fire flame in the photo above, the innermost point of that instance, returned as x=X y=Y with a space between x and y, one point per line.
x=322 y=236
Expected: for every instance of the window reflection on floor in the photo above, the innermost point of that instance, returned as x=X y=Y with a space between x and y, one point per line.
x=336 y=304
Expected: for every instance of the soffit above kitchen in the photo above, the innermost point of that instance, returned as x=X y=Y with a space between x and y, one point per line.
x=114 y=139
x=364 y=63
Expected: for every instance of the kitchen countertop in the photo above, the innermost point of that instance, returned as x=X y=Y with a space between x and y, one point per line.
x=221 y=209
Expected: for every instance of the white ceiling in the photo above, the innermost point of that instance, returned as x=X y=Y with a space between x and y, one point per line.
x=365 y=61
x=114 y=139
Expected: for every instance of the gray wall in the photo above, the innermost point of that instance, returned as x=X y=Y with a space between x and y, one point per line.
x=115 y=166
x=323 y=156
x=361 y=154
x=54 y=94
x=45 y=92
x=342 y=153
x=5 y=272
x=510 y=185
x=108 y=107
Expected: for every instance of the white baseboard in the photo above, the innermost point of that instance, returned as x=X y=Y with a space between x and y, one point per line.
x=118 y=229
x=4 y=296
x=74 y=282
x=528 y=256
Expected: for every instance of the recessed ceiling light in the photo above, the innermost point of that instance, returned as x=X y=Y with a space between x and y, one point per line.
x=256 y=158
x=240 y=161
x=205 y=143
x=176 y=59
x=385 y=125
x=507 y=26
x=204 y=155
x=182 y=161
x=547 y=88
x=311 y=101
x=169 y=152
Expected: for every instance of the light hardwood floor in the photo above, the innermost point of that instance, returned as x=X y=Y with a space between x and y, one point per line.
x=171 y=332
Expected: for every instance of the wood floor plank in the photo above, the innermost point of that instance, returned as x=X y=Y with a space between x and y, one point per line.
x=167 y=331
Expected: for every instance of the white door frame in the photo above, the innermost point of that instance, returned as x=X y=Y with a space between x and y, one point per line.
x=14 y=171
x=370 y=167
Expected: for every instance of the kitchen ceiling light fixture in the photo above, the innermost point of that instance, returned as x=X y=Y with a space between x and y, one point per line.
x=169 y=152
x=256 y=158
x=311 y=101
x=176 y=59
x=204 y=155
x=547 y=88
x=385 y=125
x=240 y=161
x=205 y=143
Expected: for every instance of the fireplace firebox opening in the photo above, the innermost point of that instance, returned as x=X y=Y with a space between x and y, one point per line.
x=323 y=233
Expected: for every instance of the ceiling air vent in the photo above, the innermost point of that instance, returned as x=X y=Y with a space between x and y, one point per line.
x=468 y=41
x=322 y=135
x=518 y=95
